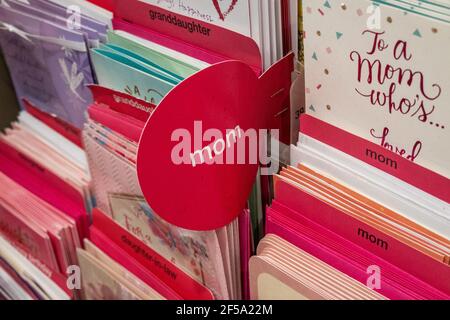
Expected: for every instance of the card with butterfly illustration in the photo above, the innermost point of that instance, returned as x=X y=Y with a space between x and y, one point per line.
x=49 y=64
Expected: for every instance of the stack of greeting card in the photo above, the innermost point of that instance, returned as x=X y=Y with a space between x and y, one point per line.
x=126 y=226
x=368 y=189
x=281 y=271
x=40 y=233
x=154 y=47
x=46 y=198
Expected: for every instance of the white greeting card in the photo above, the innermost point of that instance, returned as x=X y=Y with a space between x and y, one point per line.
x=228 y=14
x=381 y=72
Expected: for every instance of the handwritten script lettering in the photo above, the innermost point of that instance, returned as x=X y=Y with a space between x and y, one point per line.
x=383 y=138
x=373 y=72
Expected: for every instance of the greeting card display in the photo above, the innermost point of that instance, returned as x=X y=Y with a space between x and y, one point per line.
x=196 y=77
x=172 y=72
x=210 y=259
x=367 y=191
x=282 y=271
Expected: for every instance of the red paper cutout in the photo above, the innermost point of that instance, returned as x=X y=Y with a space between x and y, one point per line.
x=224 y=96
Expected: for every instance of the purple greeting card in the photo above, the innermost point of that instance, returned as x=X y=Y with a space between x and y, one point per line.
x=49 y=64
